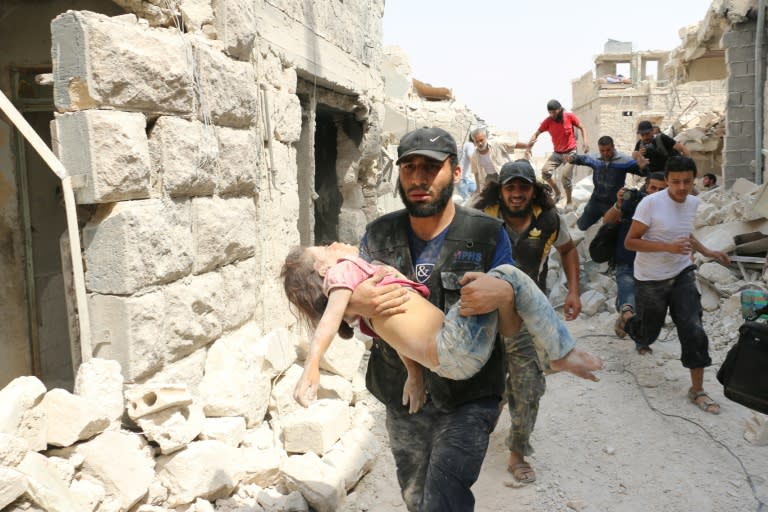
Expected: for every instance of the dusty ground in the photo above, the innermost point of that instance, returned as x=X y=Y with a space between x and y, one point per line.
x=631 y=442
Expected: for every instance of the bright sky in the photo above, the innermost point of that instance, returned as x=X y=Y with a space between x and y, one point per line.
x=506 y=58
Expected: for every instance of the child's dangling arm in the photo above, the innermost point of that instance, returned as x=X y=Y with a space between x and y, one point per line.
x=306 y=388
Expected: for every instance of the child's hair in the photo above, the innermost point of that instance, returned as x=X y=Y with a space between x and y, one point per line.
x=304 y=289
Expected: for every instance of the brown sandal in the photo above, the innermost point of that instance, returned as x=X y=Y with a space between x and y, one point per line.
x=703 y=401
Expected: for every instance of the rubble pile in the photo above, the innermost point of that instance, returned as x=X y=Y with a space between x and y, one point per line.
x=724 y=219
x=241 y=443
x=700 y=132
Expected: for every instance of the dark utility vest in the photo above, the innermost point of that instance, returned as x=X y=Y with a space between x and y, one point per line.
x=531 y=250
x=469 y=245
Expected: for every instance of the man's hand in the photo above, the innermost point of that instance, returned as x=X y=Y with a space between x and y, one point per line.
x=414 y=391
x=369 y=300
x=720 y=256
x=481 y=293
x=569 y=158
x=585 y=147
x=572 y=306
x=680 y=246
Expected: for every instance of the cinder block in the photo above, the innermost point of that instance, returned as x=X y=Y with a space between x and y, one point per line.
x=110 y=148
x=100 y=61
x=316 y=428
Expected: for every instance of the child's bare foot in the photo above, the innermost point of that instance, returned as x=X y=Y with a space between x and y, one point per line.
x=579 y=363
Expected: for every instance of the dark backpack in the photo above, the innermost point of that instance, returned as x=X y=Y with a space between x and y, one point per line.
x=603 y=246
x=744 y=373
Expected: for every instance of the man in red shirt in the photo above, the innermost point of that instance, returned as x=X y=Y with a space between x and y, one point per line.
x=560 y=125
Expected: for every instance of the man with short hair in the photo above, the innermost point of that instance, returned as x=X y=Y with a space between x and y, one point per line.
x=488 y=157
x=709 y=181
x=657 y=148
x=624 y=260
x=560 y=125
x=661 y=234
x=439 y=450
x=609 y=173
x=534 y=227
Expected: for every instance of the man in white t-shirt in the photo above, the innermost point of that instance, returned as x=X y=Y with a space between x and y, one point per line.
x=661 y=234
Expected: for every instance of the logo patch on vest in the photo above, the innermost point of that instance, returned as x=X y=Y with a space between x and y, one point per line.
x=469 y=256
x=534 y=233
x=423 y=271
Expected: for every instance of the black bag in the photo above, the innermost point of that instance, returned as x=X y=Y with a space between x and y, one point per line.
x=603 y=246
x=744 y=373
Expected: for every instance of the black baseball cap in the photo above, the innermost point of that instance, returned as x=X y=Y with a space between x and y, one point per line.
x=434 y=143
x=519 y=169
x=644 y=127
x=554 y=105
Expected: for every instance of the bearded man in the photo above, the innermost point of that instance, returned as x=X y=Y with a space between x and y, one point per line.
x=534 y=227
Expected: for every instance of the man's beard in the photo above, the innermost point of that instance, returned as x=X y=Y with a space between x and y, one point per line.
x=427 y=209
x=505 y=211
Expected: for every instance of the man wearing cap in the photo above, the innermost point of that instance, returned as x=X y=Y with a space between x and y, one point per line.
x=560 y=125
x=488 y=157
x=657 y=148
x=438 y=450
x=534 y=227
x=609 y=173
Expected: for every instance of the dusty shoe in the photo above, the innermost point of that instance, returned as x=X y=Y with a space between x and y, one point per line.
x=621 y=321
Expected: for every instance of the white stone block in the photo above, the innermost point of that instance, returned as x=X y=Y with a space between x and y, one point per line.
x=278 y=347
x=343 y=357
x=152 y=398
x=18 y=396
x=228 y=430
x=260 y=437
x=138 y=244
x=110 y=148
x=106 y=62
x=235 y=383
x=184 y=156
x=281 y=401
x=101 y=382
x=239 y=166
x=12 y=485
x=224 y=231
x=236 y=26
x=12 y=449
x=272 y=500
x=187 y=370
x=261 y=467
x=228 y=88
x=242 y=293
x=45 y=487
x=285 y=110
x=205 y=469
x=126 y=329
x=592 y=301
x=353 y=456
x=320 y=484
x=87 y=494
x=196 y=13
x=125 y=482
x=717 y=273
x=335 y=387
x=71 y=418
x=173 y=428
x=315 y=428
x=34 y=428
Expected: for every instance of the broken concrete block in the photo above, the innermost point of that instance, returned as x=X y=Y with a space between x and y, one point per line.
x=315 y=428
x=100 y=381
x=343 y=357
x=743 y=187
x=227 y=87
x=13 y=484
x=110 y=148
x=138 y=244
x=286 y=116
x=150 y=399
x=125 y=329
x=592 y=301
x=227 y=430
x=235 y=383
x=173 y=428
x=261 y=467
x=225 y=231
x=353 y=455
x=127 y=482
x=45 y=487
x=195 y=14
x=334 y=387
x=239 y=166
x=710 y=299
x=271 y=500
x=260 y=437
x=716 y=273
x=184 y=156
x=106 y=62
x=188 y=371
x=281 y=401
x=320 y=484
x=278 y=347
x=204 y=469
x=71 y=418
x=17 y=397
